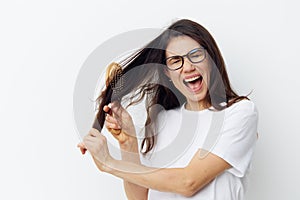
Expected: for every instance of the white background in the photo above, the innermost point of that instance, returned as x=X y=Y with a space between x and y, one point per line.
x=43 y=44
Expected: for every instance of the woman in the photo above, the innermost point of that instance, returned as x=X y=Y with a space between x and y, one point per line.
x=190 y=83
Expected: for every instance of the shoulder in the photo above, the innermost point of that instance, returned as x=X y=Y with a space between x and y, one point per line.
x=244 y=106
x=242 y=113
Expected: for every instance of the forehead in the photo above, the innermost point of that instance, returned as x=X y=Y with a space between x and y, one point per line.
x=181 y=45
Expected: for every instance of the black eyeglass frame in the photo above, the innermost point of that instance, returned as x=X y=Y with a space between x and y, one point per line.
x=186 y=55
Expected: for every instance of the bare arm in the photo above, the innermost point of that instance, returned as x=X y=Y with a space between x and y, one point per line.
x=185 y=181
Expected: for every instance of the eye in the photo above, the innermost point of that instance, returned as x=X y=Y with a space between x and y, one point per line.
x=196 y=54
x=173 y=60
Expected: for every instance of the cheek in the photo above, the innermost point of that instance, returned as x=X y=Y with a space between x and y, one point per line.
x=174 y=76
x=207 y=76
x=206 y=70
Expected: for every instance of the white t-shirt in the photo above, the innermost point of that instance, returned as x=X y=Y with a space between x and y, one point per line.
x=230 y=134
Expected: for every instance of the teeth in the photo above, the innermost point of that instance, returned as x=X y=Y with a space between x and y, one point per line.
x=191 y=79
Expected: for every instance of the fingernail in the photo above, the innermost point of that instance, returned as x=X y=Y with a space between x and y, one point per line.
x=109 y=105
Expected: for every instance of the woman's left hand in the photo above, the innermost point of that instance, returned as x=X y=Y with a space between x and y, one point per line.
x=96 y=144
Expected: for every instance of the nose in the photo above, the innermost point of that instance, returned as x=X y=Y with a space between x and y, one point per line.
x=188 y=65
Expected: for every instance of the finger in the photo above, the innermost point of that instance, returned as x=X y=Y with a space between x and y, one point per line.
x=91 y=142
x=87 y=139
x=111 y=119
x=94 y=132
x=90 y=138
x=82 y=147
x=115 y=132
x=112 y=125
x=116 y=109
x=89 y=145
x=106 y=109
x=83 y=150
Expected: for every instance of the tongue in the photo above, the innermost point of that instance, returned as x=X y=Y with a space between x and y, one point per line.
x=195 y=85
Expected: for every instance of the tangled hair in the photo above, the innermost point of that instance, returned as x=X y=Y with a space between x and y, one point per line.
x=143 y=76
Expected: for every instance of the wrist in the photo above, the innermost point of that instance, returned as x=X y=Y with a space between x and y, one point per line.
x=109 y=165
x=129 y=144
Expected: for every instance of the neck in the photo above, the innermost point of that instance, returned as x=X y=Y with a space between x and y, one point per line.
x=197 y=106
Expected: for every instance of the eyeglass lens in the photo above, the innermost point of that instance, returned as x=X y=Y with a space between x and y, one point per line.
x=195 y=56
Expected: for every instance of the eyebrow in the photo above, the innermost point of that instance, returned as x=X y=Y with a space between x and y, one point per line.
x=185 y=53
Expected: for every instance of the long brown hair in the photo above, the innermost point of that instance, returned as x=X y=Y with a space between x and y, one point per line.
x=139 y=70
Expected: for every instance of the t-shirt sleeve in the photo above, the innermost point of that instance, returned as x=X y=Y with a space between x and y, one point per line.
x=238 y=137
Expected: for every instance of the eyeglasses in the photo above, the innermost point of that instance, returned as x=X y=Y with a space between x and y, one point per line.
x=195 y=56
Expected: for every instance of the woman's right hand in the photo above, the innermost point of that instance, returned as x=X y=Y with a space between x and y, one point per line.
x=119 y=122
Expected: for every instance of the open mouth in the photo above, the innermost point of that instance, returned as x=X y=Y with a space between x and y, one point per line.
x=194 y=83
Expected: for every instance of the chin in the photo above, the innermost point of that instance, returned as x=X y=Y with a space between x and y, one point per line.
x=196 y=97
